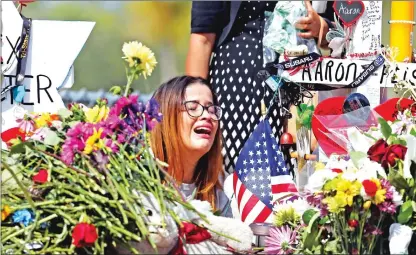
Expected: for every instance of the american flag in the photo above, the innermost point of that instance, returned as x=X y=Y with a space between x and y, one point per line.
x=260 y=176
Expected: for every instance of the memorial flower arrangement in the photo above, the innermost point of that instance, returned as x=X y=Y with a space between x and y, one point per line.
x=342 y=211
x=71 y=181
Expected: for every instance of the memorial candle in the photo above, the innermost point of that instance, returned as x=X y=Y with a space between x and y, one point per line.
x=401 y=28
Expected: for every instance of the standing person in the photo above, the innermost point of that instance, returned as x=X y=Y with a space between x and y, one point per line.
x=232 y=33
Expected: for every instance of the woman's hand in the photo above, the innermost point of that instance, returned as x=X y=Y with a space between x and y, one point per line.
x=312 y=25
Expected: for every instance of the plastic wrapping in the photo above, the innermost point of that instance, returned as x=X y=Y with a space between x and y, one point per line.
x=280 y=34
x=333 y=131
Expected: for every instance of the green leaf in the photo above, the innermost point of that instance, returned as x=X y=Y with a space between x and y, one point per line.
x=51 y=138
x=414 y=206
x=397 y=180
x=356 y=156
x=406 y=211
x=303 y=107
x=413 y=132
x=20 y=148
x=64 y=113
x=331 y=247
x=307 y=215
x=116 y=90
x=385 y=128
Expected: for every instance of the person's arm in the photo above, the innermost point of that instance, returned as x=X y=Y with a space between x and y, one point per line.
x=207 y=20
x=199 y=54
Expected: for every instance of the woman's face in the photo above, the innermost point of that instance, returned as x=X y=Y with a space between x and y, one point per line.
x=198 y=131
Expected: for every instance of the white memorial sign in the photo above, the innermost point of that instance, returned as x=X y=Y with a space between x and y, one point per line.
x=366 y=34
x=53 y=48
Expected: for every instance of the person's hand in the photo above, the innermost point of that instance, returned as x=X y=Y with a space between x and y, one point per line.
x=310 y=25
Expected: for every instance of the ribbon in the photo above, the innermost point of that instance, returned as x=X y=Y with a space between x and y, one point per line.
x=23 y=48
x=292 y=64
x=191 y=234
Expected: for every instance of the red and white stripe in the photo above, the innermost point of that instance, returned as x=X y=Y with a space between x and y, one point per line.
x=282 y=185
x=252 y=209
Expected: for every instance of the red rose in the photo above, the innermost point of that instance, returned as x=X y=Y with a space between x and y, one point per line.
x=377 y=151
x=337 y=170
x=194 y=234
x=353 y=223
x=370 y=188
x=84 y=234
x=12 y=133
x=395 y=151
x=41 y=176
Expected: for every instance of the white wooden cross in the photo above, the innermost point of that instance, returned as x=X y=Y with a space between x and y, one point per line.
x=53 y=48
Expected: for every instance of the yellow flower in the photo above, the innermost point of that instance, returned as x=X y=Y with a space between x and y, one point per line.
x=286 y=216
x=140 y=57
x=94 y=142
x=380 y=196
x=332 y=184
x=335 y=204
x=42 y=120
x=97 y=114
x=5 y=212
x=348 y=190
x=45 y=119
x=367 y=205
x=319 y=166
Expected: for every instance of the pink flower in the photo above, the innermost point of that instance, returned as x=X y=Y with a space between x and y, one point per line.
x=387 y=207
x=26 y=125
x=281 y=240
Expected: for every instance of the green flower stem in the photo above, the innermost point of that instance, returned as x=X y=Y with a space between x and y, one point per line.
x=43 y=203
x=129 y=246
x=12 y=196
x=94 y=196
x=361 y=230
x=9 y=232
x=59 y=160
x=66 y=216
x=130 y=79
x=65 y=174
x=23 y=230
x=60 y=237
x=373 y=237
x=29 y=232
x=20 y=184
x=123 y=213
x=139 y=221
x=118 y=230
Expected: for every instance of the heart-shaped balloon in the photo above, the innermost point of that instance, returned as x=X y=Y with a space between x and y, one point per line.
x=388 y=110
x=349 y=11
x=334 y=106
x=330 y=106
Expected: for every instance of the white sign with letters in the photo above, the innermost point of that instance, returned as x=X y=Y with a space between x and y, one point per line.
x=366 y=35
x=341 y=72
x=53 y=48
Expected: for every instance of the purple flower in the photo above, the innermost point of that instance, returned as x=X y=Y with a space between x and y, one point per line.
x=281 y=240
x=387 y=207
x=372 y=230
x=152 y=114
x=121 y=106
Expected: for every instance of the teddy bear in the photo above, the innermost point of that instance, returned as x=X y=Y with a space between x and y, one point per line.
x=212 y=235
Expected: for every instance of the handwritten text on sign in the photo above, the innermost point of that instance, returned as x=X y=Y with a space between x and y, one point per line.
x=341 y=72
